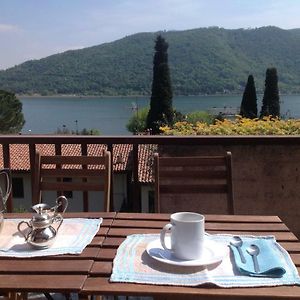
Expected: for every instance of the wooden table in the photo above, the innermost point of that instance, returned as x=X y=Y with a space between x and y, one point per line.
x=63 y=273
x=129 y=223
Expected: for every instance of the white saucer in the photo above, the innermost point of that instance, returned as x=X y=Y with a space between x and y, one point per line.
x=213 y=253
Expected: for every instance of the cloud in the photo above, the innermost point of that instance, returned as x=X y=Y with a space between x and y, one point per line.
x=8 y=28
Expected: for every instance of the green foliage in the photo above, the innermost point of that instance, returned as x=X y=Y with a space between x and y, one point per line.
x=178 y=116
x=239 y=126
x=161 y=111
x=91 y=131
x=84 y=131
x=200 y=116
x=137 y=123
x=270 y=102
x=249 y=101
x=11 y=116
x=202 y=61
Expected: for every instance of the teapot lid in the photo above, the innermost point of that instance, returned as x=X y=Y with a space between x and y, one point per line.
x=41 y=220
x=41 y=207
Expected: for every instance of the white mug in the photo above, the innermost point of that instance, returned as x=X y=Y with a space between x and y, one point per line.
x=187 y=235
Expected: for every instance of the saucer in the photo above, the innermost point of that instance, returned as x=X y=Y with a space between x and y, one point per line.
x=213 y=252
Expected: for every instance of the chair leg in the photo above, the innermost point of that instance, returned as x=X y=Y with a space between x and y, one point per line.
x=15 y=296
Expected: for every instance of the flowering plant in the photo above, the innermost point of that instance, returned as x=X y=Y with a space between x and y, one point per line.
x=238 y=126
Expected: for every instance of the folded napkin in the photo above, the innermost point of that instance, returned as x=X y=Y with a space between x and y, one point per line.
x=133 y=264
x=270 y=263
x=72 y=237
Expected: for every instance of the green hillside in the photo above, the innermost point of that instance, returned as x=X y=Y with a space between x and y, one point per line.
x=202 y=61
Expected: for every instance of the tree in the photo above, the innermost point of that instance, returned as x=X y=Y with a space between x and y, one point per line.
x=270 y=103
x=11 y=116
x=161 y=111
x=249 y=101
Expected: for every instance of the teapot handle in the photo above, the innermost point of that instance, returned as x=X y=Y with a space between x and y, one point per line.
x=7 y=174
x=62 y=201
x=21 y=231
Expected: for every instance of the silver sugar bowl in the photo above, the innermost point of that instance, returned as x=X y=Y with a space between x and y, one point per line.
x=44 y=224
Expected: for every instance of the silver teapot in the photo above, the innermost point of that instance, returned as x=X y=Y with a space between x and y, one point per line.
x=42 y=232
x=4 y=194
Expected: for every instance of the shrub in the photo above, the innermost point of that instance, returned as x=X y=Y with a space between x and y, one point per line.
x=200 y=116
x=138 y=122
x=239 y=126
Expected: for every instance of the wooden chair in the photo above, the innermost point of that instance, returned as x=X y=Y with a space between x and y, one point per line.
x=84 y=173
x=193 y=183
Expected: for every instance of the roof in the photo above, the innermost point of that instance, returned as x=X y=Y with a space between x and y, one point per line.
x=122 y=157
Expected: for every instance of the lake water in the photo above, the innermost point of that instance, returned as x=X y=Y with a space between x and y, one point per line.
x=44 y=115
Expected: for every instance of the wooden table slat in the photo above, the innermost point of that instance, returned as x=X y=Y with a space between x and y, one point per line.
x=291 y=246
x=296 y=259
x=101 y=268
x=42 y=283
x=106 y=254
x=102 y=231
x=208 y=225
x=102 y=285
x=90 y=215
x=113 y=242
x=212 y=218
x=280 y=236
x=97 y=241
x=45 y=266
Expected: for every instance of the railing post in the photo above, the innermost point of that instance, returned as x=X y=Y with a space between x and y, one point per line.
x=136 y=205
x=85 y=193
x=6 y=164
x=58 y=152
x=112 y=207
x=32 y=151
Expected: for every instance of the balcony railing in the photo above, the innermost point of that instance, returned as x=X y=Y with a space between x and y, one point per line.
x=265 y=145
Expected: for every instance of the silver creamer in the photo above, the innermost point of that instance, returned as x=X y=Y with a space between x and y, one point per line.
x=40 y=232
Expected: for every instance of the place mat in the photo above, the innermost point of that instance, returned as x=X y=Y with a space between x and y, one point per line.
x=72 y=237
x=133 y=264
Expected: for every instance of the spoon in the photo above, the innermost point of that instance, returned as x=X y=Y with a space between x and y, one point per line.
x=237 y=242
x=253 y=250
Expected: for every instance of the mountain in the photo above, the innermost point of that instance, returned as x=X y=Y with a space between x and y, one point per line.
x=202 y=61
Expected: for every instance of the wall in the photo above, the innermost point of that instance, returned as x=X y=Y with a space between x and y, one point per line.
x=265 y=177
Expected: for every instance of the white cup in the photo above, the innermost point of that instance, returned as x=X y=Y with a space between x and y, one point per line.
x=187 y=235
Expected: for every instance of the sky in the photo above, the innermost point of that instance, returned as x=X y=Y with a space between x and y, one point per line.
x=33 y=29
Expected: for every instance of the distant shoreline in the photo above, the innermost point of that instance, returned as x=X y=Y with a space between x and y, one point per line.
x=140 y=96
x=119 y=96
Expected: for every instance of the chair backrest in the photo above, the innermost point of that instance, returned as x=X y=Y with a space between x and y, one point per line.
x=195 y=178
x=84 y=173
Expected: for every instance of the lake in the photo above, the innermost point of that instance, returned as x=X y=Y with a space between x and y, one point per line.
x=44 y=115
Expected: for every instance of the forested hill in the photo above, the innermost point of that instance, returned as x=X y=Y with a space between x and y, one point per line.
x=202 y=61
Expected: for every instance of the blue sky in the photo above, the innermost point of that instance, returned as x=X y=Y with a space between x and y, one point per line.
x=32 y=29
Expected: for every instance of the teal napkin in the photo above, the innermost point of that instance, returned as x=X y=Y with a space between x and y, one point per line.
x=271 y=262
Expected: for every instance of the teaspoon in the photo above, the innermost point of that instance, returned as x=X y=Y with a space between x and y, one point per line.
x=253 y=250
x=237 y=242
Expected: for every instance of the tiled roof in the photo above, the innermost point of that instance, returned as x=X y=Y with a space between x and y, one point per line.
x=122 y=158
x=146 y=163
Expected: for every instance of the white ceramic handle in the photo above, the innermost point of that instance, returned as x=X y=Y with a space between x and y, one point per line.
x=166 y=228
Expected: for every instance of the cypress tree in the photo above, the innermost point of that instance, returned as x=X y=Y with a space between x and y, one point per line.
x=270 y=103
x=11 y=116
x=161 y=111
x=249 y=101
